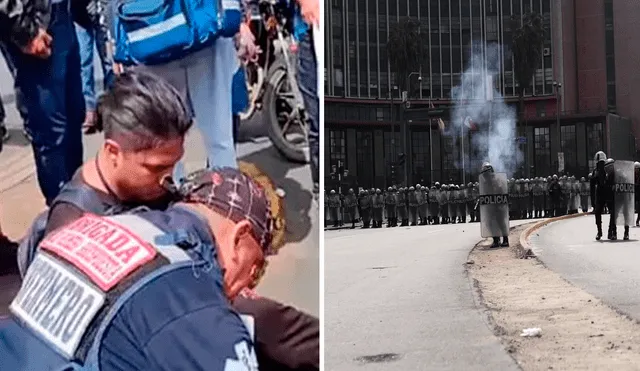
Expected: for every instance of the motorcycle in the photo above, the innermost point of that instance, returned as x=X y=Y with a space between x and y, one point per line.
x=271 y=81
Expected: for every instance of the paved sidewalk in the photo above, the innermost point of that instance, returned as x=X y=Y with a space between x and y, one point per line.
x=605 y=269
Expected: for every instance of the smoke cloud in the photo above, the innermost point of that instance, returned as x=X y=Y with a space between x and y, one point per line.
x=495 y=137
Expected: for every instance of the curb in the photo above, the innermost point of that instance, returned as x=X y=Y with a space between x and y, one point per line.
x=525 y=247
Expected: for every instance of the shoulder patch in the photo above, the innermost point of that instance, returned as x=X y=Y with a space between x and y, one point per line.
x=246 y=358
x=104 y=250
x=56 y=304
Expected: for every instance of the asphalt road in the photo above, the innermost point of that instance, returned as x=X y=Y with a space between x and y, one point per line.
x=605 y=269
x=404 y=291
x=292 y=276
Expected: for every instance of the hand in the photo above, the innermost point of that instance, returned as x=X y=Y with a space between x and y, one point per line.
x=310 y=10
x=247 y=49
x=117 y=68
x=249 y=294
x=40 y=45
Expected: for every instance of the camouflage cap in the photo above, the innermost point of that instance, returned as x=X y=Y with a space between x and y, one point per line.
x=235 y=196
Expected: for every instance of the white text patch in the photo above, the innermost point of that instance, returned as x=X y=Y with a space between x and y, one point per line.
x=55 y=303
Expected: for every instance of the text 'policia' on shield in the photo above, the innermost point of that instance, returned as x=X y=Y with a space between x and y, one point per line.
x=493 y=199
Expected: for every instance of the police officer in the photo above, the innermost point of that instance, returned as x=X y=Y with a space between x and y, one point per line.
x=378 y=208
x=168 y=305
x=390 y=205
x=412 y=197
x=610 y=199
x=334 y=208
x=350 y=204
x=402 y=207
x=487 y=168
x=423 y=204
x=365 y=207
x=555 y=192
x=598 y=190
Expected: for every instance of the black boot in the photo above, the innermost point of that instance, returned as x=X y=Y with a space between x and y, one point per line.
x=505 y=241
x=599 y=235
x=626 y=233
x=353 y=224
x=496 y=242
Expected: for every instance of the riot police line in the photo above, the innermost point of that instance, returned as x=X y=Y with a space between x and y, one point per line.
x=535 y=198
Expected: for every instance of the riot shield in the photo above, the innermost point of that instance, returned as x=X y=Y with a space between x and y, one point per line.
x=494 y=205
x=584 y=195
x=624 y=192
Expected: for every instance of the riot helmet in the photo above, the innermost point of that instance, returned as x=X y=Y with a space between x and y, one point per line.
x=608 y=165
x=486 y=167
x=600 y=156
x=333 y=192
x=555 y=177
x=583 y=179
x=411 y=188
x=636 y=165
x=389 y=189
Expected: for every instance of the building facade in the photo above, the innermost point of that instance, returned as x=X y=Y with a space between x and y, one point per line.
x=367 y=127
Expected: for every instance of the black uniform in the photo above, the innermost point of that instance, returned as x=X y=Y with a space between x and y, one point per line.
x=601 y=196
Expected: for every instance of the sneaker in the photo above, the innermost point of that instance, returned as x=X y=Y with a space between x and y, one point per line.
x=8 y=256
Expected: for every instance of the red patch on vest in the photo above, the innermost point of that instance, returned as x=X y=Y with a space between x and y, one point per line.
x=104 y=250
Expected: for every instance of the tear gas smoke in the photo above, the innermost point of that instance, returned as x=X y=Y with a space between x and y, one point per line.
x=494 y=140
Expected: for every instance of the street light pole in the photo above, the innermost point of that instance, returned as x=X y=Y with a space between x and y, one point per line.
x=557 y=86
x=404 y=122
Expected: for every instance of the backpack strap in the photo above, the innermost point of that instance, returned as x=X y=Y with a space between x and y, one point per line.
x=77 y=194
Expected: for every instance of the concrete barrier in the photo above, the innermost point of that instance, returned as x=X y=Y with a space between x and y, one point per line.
x=525 y=248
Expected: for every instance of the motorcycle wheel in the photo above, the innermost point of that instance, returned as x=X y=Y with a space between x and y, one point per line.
x=279 y=102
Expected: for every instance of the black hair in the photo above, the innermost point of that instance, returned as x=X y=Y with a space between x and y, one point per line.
x=142 y=110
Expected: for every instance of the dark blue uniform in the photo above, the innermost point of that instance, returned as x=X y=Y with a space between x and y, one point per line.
x=179 y=320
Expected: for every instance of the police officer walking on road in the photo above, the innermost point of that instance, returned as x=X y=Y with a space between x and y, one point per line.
x=598 y=190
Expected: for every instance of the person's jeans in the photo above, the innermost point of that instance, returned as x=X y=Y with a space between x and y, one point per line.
x=18 y=93
x=52 y=91
x=205 y=78
x=87 y=38
x=308 y=82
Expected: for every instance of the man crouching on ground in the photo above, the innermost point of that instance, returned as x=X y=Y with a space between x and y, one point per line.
x=145 y=121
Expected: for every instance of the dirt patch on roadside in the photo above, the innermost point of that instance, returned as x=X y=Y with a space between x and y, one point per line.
x=578 y=330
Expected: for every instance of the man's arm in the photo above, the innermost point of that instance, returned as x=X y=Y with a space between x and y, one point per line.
x=286 y=338
x=211 y=338
x=16 y=24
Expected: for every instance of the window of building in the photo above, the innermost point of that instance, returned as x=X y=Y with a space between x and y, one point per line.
x=542 y=152
x=364 y=159
x=389 y=155
x=568 y=145
x=595 y=142
x=420 y=157
x=450 y=174
x=337 y=147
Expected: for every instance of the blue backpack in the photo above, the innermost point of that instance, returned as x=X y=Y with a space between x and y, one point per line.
x=152 y=32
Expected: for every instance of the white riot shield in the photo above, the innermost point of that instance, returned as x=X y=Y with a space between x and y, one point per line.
x=494 y=205
x=624 y=192
x=585 y=199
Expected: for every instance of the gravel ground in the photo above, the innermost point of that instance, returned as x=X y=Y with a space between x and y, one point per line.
x=579 y=332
